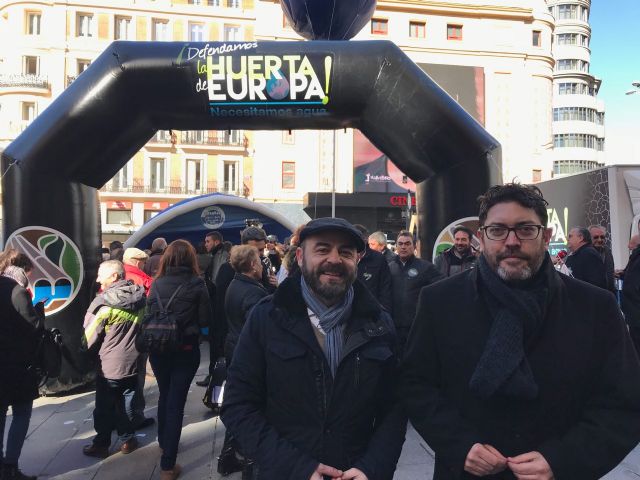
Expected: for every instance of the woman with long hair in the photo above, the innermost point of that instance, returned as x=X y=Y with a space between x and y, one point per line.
x=174 y=371
x=19 y=325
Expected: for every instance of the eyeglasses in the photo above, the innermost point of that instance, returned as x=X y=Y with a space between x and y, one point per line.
x=522 y=232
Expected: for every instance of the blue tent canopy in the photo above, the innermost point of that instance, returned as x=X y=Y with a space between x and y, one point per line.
x=191 y=219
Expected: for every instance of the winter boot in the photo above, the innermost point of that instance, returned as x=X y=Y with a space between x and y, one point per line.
x=228 y=462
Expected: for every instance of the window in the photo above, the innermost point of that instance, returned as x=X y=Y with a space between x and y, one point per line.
x=288 y=137
x=288 y=175
x=600 y=118
x=568 y=12
x=122 y=28
x=196 y=32
x=82 y=65
x=232 y=33
x=31 y=65
x=230 y=177
x=121 y=179
x=574 y=113
x=84 y=25
x=157 y=181
x=600 y=144
x=379 y=26
x=536 y=175
x=536 y=38
x=214 y=3
x=149 y=214
x=160 y=30
x=33 y=23
x=454 y=32
x=122 y=217
x=564 y=167
x=194 y=175
x=28 y=111
x=574 y=140
x=417 y=29
x=234 y=3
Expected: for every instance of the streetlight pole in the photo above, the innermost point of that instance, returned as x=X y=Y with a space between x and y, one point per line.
x=636 y=88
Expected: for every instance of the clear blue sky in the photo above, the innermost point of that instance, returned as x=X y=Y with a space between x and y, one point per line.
x=615 y=58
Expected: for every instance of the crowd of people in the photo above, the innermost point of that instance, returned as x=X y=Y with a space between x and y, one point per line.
x=508 y=362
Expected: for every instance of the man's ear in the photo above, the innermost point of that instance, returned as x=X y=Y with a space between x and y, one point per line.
x=299 y=256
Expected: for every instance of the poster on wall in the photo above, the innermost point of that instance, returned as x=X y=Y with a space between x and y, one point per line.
x=374 y=171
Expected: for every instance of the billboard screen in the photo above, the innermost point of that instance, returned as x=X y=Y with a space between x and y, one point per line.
x=374 y=171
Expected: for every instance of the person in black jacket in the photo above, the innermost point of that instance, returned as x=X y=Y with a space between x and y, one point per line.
x=599 y=241
x=514 y=370
x=19 y=324
x=631 y=292
x=373 y=271
x=311 y=388
x=408 y=275
x=175 y=371
x=584 y=261
x=243 y=293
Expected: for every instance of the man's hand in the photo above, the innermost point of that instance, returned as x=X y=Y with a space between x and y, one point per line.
x=323 y=469
x=273 y=281
x=530 y=466
x=484 y=460
x=353 y=474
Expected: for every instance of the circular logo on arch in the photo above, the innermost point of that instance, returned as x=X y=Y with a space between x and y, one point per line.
x=445 y=239
x=58 y=269
x=212 y=217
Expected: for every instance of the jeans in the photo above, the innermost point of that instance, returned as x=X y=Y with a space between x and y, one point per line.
x=17 y=431
x=114 y=409
x=138 y=397
x=174 y=373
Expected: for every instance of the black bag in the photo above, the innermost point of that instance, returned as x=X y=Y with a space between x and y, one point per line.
x=47 y=361
x=215 y=390
x=160 y=332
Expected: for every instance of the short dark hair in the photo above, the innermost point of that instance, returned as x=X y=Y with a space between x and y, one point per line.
x=215 y=235
x=252 y=233
x=528 y=196
x=461 y=228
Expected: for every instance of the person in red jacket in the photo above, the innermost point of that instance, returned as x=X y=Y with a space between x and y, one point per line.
x=133 y=260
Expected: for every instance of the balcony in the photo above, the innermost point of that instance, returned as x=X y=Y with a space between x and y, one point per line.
x=175 y=187
x=23 y=81
x=206 y=138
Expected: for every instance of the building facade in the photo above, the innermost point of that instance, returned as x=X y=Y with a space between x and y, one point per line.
x=54 y=42
x=501 y=47
x=578 y=114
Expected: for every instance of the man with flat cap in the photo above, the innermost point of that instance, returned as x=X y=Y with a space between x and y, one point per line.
x=311 y=390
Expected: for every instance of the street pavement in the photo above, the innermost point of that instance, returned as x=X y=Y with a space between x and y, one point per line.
x=60 y=426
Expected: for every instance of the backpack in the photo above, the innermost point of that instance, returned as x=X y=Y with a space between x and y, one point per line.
x=160 y=332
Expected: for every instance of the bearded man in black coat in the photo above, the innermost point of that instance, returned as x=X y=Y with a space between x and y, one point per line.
x=514 y=370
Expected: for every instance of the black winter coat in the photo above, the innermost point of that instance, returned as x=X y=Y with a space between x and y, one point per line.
x=631 y=291
x=242 y=295
x=407 y=281
x=587 y=414
x=286 y=410
x=192 y=304
x=587 y=265
x=19 y=324
x=373 y=271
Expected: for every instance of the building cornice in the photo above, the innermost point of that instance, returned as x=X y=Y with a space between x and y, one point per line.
x=480 y=53
x=456 y=9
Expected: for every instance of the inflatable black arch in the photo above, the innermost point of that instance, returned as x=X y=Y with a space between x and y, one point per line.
x=52 y=170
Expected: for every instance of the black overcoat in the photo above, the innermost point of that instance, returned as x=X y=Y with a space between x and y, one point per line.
x=19 y=324
x=587 y=414
x=286 y=410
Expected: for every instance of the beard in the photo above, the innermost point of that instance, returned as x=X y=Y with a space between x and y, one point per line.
x=332 y=291
x=516 y=275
